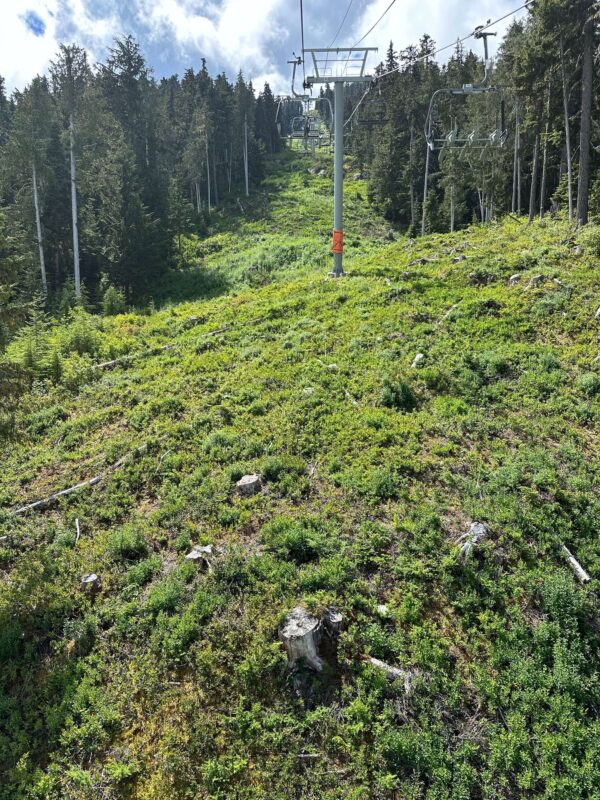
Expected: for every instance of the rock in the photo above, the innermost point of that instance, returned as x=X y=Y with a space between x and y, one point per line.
x=417 y=360
x=536 y=280
x=578 y=251
x=332 y=621
x=332 y=367
x=514 y=279
x=308 y=391
x=598 y=313
x=91 y=583
x=469 y=540
x=201 y=555
x=301 y=634
x=249 y=485
x=383 y=611
x=391 y=236
x=458 y=259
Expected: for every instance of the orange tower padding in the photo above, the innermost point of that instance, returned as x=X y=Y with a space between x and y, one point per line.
x=338 y=241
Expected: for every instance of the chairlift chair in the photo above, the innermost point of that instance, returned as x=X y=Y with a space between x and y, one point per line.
x=488 y=136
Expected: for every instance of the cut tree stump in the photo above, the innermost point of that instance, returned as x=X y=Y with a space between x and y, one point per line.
x=90 y=583
x=301 y=634
x=333 y=621
x=201 y=555
x=249 y=485
x=469 y=540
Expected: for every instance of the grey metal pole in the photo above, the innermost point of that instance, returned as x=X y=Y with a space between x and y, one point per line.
x=338 y=188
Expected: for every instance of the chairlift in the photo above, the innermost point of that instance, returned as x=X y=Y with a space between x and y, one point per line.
x=492 y=135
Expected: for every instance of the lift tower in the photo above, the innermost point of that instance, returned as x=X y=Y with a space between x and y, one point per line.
x=339 y=66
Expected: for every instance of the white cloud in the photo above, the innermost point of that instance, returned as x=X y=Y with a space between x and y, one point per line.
x=23 y=55
x=257 y=36
x=444 y=20
x=231 y=34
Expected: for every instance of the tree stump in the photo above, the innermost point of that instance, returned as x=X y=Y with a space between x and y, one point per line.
x=90 y=584
x=249 y=485
x=200 y=555
x=301 y=635
x=469 y=540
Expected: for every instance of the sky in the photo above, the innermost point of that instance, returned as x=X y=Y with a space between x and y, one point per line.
x=257 y=36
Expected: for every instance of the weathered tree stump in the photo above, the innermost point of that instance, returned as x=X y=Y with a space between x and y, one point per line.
x=333 y=621
x=301 y=634
x=249 y=485
x=469 y=540
x=90 y=584
x=201 y=555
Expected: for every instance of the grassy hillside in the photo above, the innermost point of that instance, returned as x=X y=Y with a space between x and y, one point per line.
x=170 y=682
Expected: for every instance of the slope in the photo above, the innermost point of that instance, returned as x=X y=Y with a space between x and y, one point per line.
x=169 y=681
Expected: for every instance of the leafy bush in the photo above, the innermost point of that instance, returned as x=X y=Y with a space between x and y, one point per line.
x=299 y=540
x=398 y=395
x=113 y=302
x=126 y=543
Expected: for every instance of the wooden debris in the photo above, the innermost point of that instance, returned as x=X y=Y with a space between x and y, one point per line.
x=90 y=583
x=536 y=280
x=333 y=621
x=514 y=279
x=579 y=571
x=46 y=501
x=394 y=673
x=201 y=555
x=301 y=634
x=249 y=485
x=450 y=311
x=130 y=356
x=78 y=530
x=469 y=540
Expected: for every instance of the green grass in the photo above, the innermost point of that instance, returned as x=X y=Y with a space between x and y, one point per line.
x=171 y=682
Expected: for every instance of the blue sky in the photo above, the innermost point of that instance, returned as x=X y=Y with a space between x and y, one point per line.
x=255 y=35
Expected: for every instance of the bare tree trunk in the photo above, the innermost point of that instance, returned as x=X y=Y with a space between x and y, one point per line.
x=208 y=177
x=534 y=178
x=74 y=209
x=587 y=77
x=38 y=226
x=545 y=156
x=567 y=129
x=413 y=211
x=198 y=206
x=515 y=163
x=246 y=166
x=214 y=160
x=452 y=209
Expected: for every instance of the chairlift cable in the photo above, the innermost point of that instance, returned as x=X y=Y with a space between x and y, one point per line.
x=463 y=39
x=372 y=28
x=333 y=41
x=442 y=49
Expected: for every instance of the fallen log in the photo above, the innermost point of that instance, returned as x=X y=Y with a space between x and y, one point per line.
x=52 y=498
x=579 y=571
